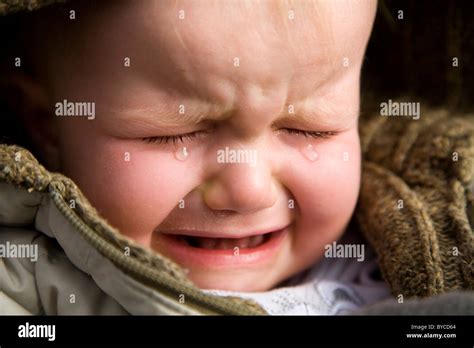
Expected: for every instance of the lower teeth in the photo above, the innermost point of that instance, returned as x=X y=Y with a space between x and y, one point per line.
x=226 y=243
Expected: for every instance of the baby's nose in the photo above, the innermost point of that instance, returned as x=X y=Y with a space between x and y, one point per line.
x=241 y=187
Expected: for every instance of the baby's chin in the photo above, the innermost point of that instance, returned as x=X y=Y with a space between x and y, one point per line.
x=249 y=280
x=237 y=281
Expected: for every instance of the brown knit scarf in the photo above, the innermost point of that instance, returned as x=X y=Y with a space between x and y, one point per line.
x=417 y=199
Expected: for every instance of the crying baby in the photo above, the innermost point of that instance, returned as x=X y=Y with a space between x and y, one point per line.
x=178 y=88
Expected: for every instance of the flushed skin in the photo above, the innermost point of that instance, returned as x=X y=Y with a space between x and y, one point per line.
x=311 y=62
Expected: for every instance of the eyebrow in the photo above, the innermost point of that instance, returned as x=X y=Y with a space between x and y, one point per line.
x=150 y=120
x=180 y=113
x=308 y=119
x=161 y=118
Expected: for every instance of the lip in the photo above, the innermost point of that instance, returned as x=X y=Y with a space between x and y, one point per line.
x=209 y=234
x=190 y=257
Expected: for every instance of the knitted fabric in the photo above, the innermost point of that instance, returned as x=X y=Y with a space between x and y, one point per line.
x=416 y=200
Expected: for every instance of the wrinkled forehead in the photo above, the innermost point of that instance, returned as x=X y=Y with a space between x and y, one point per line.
x=215 y=30
x=202 y=43
x=281 y=35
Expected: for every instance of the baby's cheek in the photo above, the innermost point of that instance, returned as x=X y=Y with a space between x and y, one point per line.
x=135 y=189
x=326 y=192
x=327 y=189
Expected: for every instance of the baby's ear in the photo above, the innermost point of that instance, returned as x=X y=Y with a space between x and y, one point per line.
x=28 y=100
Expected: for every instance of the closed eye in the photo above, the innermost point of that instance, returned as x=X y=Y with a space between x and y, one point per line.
x=182 y=138
x=308 y=134
x=174 y=139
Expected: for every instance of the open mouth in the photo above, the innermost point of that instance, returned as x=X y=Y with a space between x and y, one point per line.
x=225 y=243
x=192 y=251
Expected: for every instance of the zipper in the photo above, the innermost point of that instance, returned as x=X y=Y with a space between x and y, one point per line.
x=164 y=283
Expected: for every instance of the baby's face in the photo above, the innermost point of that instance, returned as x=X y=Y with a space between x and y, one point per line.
x=230 y=143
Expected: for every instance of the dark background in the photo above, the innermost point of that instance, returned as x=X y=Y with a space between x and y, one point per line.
x=412 y=57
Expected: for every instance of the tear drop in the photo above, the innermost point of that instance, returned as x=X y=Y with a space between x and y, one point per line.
x=181 y=154
x=309 y=152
